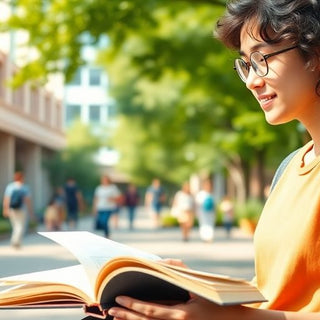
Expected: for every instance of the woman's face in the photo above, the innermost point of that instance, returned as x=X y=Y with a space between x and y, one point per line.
x=287 y=92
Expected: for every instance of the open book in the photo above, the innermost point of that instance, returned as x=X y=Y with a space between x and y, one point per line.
x=108 y=269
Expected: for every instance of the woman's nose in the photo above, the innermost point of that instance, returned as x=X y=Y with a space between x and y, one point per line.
x=253 y=80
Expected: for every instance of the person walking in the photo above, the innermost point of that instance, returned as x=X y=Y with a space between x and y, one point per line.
x=52 y=220
x=279 y=46
x=54 y=214
x=106 y=200
x=74 y=202
x=227 y=210
x=131 y=200
x=205 y=208
x=154 y=200
x=183 y=208
x=17 y=205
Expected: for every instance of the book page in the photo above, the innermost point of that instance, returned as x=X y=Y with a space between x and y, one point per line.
x=93 y=251
x=73 y=276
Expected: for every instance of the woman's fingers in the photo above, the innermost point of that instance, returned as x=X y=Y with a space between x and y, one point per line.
x=136 y=309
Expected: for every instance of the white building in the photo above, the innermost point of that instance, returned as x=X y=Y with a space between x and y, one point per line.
x=86 y=98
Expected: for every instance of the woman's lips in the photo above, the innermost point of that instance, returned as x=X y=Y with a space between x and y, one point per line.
x=266 y=101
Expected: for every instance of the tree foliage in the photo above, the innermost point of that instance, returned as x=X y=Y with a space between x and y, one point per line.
x=176 y=87
x=77 y=160
x=56 y=28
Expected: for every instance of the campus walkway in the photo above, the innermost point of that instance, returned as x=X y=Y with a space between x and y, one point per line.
x=233 y=256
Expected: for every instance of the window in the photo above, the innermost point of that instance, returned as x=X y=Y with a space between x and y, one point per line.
x=73 y=112
x=76 y=80
x=94 y=77
x=112 y=111
x=94 y=113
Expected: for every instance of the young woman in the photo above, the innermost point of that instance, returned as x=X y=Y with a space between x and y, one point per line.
x=279 y=46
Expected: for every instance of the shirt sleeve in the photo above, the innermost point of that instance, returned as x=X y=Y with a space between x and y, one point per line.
x=8 y=190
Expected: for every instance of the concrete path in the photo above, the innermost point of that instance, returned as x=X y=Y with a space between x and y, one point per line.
x=232 y=256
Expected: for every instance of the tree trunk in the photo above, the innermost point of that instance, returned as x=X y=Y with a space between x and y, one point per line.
x=261 y=174
x=245 y=166
x=236 y=175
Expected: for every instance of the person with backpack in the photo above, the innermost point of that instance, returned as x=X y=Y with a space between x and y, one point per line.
x=16 y=206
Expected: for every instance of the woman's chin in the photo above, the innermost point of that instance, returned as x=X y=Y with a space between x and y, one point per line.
x=275 y=120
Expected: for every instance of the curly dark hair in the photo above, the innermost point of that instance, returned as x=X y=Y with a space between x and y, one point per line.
x=295 y=20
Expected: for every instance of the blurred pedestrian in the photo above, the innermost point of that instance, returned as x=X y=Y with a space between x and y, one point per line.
x=131 y=200
x=74 y=201
x=227 y=210
x=205 y=207
x=59 y=199
x=51 y=217
x=106 y=200
x=154 y=200
x=17 y=205
x=183 y=208
x=54 y=215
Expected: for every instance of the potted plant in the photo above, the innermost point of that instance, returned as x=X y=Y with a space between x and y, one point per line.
x=248 y=215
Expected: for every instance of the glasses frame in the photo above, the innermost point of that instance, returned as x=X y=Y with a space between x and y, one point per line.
x=250 y=64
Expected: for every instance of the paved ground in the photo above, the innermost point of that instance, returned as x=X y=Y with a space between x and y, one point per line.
x=232 y=256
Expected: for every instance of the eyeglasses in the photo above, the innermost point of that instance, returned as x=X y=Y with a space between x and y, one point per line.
x=258 y=62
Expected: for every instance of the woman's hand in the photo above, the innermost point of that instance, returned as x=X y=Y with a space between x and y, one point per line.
x=195 y=309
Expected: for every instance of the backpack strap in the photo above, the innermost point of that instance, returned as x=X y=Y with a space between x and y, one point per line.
x=281 y=168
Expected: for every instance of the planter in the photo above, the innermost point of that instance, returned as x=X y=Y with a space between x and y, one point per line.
x=168 y=221
x=248 y=226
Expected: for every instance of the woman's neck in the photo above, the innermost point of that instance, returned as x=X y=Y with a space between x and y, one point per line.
x=312 y=125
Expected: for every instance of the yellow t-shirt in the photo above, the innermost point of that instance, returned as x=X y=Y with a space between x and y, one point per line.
x=287 y=239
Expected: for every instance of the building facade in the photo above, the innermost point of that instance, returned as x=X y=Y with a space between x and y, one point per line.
x=31 y=118
x=31 y=129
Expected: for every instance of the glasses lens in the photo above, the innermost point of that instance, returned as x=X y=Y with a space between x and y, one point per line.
x=242 y=69
x=259 y=64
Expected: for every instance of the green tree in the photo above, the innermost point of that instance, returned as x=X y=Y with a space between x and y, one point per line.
x=77 y=160
x=56 y=28
x=187 y=110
